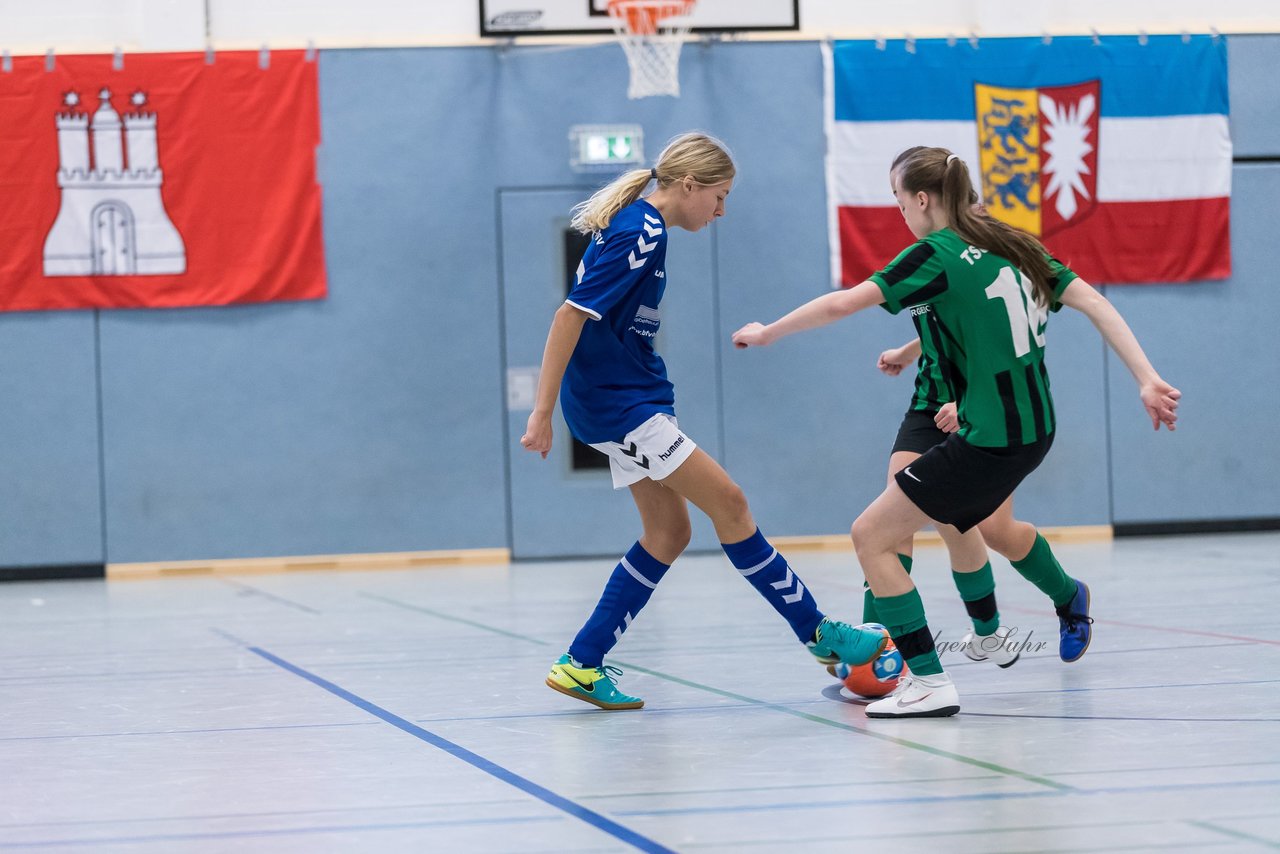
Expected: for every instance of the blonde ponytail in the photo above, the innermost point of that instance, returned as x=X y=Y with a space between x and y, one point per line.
x=597 y=212
x=703 y=158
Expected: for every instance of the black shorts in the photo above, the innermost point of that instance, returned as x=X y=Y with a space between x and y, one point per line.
x=918 y=433
x=961 y=484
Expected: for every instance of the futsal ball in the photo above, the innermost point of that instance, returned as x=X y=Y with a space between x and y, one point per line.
x=876 y=678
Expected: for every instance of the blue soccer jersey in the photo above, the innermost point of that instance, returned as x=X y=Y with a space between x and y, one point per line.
x=615 y=380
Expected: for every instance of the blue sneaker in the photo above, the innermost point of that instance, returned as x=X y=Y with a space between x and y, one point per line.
x=1075 y=626
x=594 y=685
x=834 y=642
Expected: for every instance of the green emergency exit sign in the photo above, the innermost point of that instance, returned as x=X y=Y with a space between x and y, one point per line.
x=598 y=147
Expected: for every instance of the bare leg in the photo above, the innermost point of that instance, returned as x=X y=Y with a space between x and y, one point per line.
x=665 y=516
x=702 y=481
x=889 y=520
x=968 y=550
x=899 y=460
x=1007 y=535
x=876 y=534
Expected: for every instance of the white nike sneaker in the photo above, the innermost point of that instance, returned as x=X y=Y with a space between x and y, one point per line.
x=996 y=647
x=918 y=697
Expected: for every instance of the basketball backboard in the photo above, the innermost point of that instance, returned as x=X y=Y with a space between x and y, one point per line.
x=591 y=17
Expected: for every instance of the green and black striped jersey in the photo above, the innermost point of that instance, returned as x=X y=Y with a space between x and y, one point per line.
x=981 y=337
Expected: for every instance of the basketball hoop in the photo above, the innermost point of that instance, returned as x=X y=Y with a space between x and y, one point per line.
x=652 y=33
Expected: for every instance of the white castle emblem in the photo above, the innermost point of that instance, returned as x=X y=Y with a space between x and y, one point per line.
x=112 y=221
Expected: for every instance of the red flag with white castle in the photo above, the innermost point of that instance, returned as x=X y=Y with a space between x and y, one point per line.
x=160 y=180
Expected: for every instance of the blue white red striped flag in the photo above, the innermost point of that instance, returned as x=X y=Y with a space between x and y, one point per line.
x=1116 y=153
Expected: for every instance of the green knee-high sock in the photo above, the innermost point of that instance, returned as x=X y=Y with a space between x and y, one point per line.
x=978 y=590
x=1042 y=569
x=869 y=614
x=904 y=618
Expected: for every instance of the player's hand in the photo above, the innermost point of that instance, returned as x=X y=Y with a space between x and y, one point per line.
x=1161 y=402
x=752 y=335
x=892 y=362
x=947 y=419
x=537 y=434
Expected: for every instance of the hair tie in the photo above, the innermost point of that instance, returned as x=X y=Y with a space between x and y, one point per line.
x=653 y=173
x=951 y=157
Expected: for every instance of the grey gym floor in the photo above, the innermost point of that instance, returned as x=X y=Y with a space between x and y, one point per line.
x=405 y=711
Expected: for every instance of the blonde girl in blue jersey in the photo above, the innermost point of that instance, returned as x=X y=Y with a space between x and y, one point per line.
x=613 y=389
x=986 y=288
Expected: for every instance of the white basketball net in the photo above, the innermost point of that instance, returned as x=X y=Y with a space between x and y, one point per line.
x=652 y=33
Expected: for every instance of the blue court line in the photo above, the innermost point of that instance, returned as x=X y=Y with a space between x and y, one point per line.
x=948 y=799
x=223 y=816
x=545 y=795
x=832 y=692
x=1116 y=718
x=149 y=733
x=925 y=834
x=257 y=834
x=1131 y=687
x=741 y=698
x=226 y=635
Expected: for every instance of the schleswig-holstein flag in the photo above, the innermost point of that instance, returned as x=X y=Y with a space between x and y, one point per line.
x=1114 y=152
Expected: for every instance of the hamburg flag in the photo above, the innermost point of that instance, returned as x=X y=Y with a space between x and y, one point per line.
x=162 y=180
x=1115 y=152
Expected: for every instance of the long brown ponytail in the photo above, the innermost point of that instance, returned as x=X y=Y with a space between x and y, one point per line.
x=940 y=173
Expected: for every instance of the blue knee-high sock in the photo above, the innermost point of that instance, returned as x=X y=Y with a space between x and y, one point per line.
x=768 y=572
x=629 y=588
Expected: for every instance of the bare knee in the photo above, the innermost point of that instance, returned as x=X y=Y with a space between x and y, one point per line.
x=1011 y=539
x=862 y=533
x=734 y=508
x=995 y=539
x=671 y=541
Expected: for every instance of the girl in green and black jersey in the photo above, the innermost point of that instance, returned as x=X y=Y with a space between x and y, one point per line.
x=983 y=288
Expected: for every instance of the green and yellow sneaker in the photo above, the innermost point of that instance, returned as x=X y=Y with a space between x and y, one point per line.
x=595 y=685
x=835 y=642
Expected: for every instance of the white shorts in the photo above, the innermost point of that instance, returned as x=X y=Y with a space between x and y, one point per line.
x=654 y=450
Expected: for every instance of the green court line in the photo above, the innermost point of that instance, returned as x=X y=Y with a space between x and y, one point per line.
x=818 y=719
x=453 y=619
x=901 y=742
x=1238 y=834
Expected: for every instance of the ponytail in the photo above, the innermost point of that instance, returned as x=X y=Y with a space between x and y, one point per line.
x=941 y=173
x=703 y=158
x=596 y=212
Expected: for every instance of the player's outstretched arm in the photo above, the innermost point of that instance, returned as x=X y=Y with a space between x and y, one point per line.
x=1158 y=397
x=566 y=328
x=827 y=308
x=892 y=362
